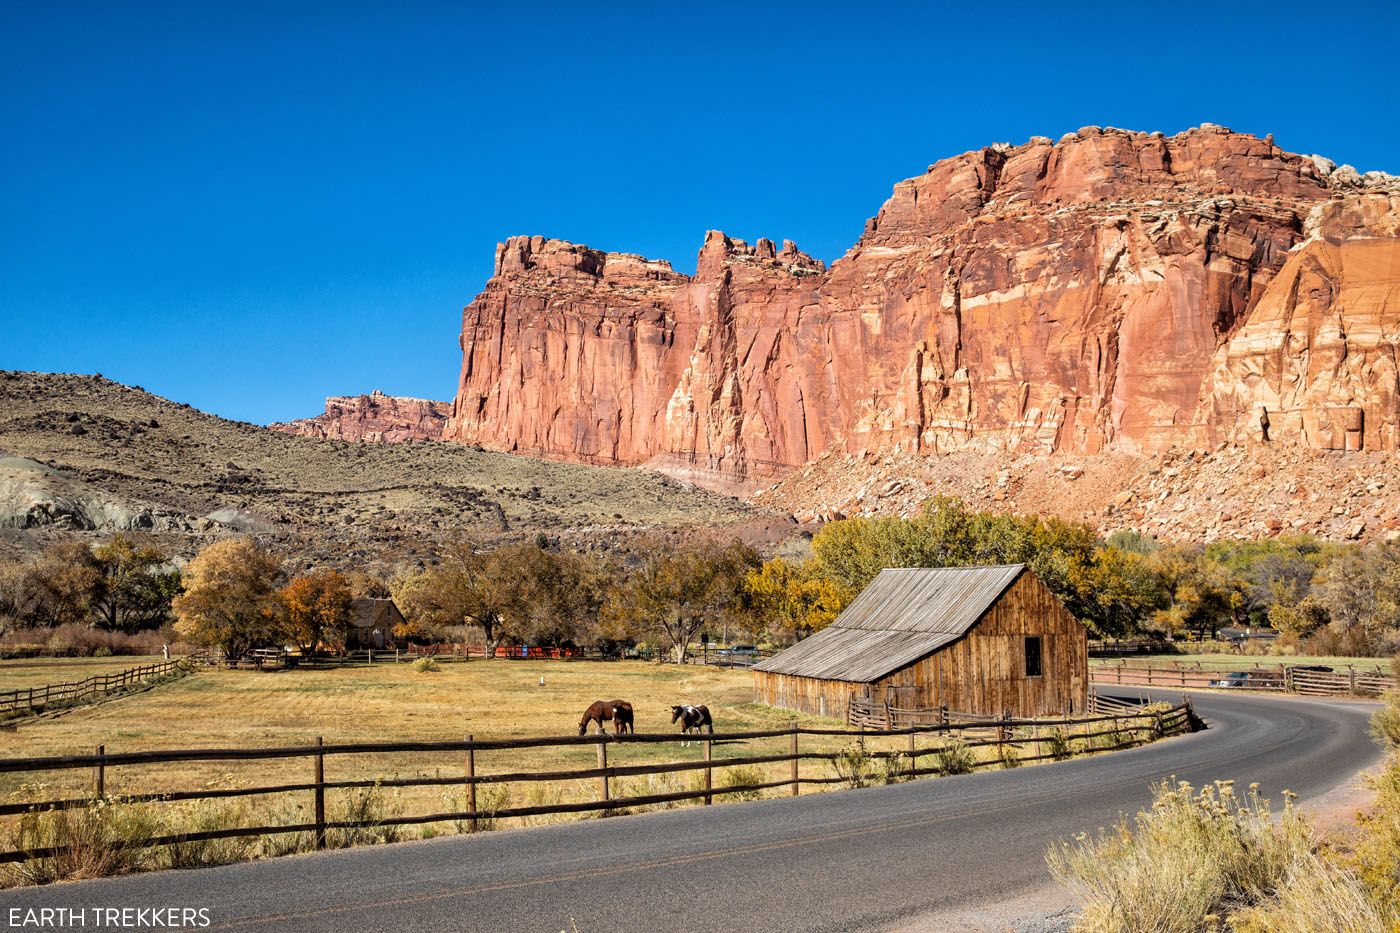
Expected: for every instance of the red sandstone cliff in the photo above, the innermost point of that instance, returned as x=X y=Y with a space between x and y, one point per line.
x=1111 y=291
x=374 y=417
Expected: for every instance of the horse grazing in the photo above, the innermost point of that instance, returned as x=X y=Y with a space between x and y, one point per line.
x=619 y=711
x=693 y=719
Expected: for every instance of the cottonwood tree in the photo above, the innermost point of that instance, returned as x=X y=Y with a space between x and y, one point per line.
x=136 y=587
x=316 y=610
x=230 y=598
x=680 y=588
x=470 y=585
x=792 y=598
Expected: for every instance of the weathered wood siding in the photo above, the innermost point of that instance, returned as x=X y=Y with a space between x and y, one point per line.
x=983 y=672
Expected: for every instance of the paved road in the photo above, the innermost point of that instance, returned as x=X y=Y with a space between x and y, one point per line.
x=869 y=859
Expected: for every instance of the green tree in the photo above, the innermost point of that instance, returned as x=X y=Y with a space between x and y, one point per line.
x=470 y=585
x=792 y=597
x=137 y=585
x=678 y=589
x=230 y=598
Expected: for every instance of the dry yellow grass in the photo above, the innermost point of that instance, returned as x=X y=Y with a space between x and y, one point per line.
x=390 y=702
x=21 y=673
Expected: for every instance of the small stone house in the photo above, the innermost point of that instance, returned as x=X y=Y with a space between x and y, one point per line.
x=372 y=623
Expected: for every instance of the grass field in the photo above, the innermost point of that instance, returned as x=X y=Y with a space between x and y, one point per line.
x=392 y=702
x=386 y=702
x=21 y=673
x=1244 y=661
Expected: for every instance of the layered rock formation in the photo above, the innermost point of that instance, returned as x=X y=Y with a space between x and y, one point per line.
x=374 y=417
x=1112 y=291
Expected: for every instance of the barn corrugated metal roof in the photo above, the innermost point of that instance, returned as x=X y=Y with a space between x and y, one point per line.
x=902 y=616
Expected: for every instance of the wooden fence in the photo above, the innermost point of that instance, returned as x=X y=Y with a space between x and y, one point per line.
x=1273 y=678
x=1111 y=732
x=35 y=699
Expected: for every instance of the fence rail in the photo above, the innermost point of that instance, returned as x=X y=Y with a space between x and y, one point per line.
x=1273 y=678
x=1120 y=730
x=31 y=700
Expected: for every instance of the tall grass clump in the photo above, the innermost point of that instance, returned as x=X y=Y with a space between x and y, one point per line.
x=365 y=807
x=744 y=776
x=954 y=757
x=426 y=666
x=854 y=765
x=104 y=838
x=1180 y=866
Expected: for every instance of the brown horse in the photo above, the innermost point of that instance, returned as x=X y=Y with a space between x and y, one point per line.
x=619 y=711
x=693 y=719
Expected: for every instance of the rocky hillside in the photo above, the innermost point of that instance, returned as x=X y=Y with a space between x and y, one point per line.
x=1232 y=491
x=375 y=417
x=84 y=454
x=1109 y=293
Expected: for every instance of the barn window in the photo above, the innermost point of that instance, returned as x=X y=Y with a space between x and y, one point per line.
x=1033 y=656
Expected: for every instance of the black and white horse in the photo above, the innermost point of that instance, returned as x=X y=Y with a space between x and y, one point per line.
x=693 y=719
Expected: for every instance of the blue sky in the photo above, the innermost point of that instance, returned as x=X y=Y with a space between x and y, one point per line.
x=250 y=206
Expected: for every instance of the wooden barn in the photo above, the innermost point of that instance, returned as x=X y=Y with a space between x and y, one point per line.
x=984 y=640
x=372 y=623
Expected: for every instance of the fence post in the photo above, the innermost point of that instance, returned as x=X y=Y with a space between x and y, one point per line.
x=602 y=765
x=1351 y=670
x=913 y=759
x=792 y=751
x=709 y=771
x=471 y=782
x=99 y=774
x=319 y=776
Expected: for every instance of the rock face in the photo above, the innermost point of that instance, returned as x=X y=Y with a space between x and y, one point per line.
x=374 y=417
x=1109 y=292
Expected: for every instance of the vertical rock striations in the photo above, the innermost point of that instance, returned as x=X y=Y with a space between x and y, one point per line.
x=1109 y=291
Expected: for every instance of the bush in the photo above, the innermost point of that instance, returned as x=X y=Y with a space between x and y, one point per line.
x=426 y=666
x=208 y=815
x=1385 y=723
x=743 y=776
x=1194 y=855
x=98 y=840
x=953 y=757
x=853 y=765
x=1060 y=747
x=363 y=806
x=75 y=640
x=1318 y=895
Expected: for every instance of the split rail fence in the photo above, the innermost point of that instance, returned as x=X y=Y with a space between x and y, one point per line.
x=1111 y=732
x=29 y=700
x=1274 y=678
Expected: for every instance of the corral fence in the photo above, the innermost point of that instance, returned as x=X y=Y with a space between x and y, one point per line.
x=1118 y=647
x=30 y=700
x=262 y=658
x=1300 y=679
x=1103 y=733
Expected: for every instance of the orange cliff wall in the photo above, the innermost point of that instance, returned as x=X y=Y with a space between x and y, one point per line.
x=1102 y=292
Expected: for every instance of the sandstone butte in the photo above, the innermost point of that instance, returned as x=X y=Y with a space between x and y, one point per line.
x=1110 y=293
x=374 y=417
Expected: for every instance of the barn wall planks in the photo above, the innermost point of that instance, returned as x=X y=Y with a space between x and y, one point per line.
x=983 y=672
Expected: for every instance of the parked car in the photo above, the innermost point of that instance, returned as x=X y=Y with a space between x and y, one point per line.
x=1232 y=679
x=747 y=651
